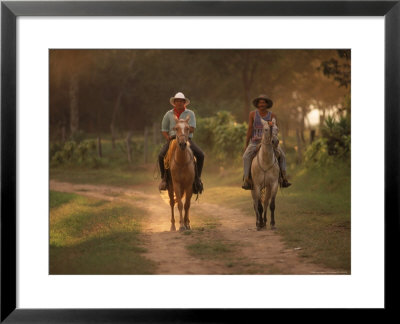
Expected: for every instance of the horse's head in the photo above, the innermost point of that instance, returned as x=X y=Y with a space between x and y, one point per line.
x=270 y=134
x=182 y=130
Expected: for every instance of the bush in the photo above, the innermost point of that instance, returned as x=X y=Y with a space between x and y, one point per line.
x=334 y=145
x=221 y=136
x=78 y=136
x=74 y=153
x=337 y=135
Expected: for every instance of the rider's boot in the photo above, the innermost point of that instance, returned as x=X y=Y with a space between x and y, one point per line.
x=285 y=183
x=163 y=184
x=247 y=184
x=197 y=186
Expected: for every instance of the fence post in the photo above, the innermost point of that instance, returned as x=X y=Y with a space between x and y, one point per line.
x=312 y=136
x=146 y=135
x=299 y=147
x=155 y=137
x=128 y=146
x=99 y=152
x=63 y=134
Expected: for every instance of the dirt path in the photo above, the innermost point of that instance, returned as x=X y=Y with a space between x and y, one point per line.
x=255 y=251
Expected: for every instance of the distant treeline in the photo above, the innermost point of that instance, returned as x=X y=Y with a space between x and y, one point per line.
x=114 y=91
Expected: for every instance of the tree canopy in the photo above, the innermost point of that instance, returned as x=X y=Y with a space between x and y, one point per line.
x=130 y=89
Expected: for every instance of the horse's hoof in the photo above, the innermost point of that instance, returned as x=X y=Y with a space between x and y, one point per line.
x=273 y=227
x=172 y=229
x=182 y=228
x=259 y=228
x=187 y=227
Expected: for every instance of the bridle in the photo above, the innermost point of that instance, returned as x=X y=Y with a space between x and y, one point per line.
x=258 y=156
x=190 y=151
x=270 y=138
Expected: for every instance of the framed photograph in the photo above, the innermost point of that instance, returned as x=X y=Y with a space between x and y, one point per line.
x=105 y=105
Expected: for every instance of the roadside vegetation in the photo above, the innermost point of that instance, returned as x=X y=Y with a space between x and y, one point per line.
x=313 y=215
x=92 y=236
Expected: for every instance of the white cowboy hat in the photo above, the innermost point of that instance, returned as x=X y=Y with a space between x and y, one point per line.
x=179 y=95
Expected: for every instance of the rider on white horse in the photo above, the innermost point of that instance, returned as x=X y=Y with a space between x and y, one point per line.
x=254 y=135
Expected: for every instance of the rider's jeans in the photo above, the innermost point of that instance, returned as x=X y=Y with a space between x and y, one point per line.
x=250 y=153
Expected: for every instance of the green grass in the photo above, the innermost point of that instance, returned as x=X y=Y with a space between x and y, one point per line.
x=58 y=199
x=314 y=213
x=122 y=177
x=91 y=236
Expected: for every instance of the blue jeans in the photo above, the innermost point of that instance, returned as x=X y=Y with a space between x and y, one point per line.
x=251 y=152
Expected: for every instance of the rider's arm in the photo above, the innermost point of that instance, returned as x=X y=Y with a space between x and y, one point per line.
x=165 y=127
x=166 y=135
x=250 y=128
x=192 y=122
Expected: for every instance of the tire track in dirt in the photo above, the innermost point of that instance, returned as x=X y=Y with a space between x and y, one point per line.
x=261 y=252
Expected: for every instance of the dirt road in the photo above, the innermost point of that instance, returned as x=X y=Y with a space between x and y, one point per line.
x=244 y=250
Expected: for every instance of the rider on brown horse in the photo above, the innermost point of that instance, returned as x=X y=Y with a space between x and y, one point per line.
x=179 y=102
x=254 y=135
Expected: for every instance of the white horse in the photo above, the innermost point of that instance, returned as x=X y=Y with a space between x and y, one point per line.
x=265 y=174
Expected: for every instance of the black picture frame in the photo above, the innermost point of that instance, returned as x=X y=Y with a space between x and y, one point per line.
x=11 y=10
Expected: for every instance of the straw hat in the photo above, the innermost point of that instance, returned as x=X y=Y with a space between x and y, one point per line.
x=263 y=97
x=179 y=95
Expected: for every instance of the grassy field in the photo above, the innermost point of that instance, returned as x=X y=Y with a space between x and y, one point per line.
x=91 y=236
x=313 y=215
x=118 y=176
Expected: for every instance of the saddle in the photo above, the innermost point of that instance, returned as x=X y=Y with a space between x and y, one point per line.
x=197 y=187
x=171 y=149
x=168 y=156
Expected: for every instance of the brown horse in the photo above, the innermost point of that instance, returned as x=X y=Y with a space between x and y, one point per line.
x=182 y=174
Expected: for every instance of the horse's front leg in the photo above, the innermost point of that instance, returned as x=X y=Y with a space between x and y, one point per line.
x=272 y=208
x=187 y=207
x=265 y=205
x=178 y=194
x=257 y=207
x=272 y=205
x=172 y=204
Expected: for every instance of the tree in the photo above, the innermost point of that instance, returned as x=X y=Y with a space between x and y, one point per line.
x=338 y=68
x=68 y=67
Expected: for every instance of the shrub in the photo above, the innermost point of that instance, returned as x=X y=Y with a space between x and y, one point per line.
x=221 y=136
x=334 y=145
x=73 y=153
x=78 y=136
x=337 y=134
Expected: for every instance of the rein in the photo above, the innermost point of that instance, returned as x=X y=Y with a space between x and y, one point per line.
x=259 y=164
x=184 y=164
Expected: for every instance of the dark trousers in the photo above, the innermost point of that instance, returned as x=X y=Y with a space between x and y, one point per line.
x=198 y=153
